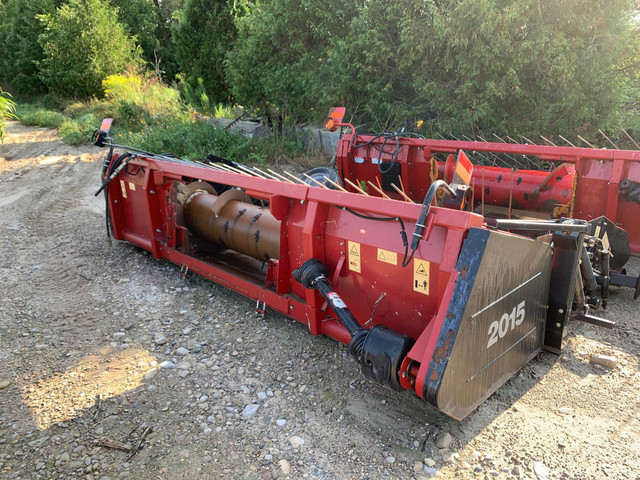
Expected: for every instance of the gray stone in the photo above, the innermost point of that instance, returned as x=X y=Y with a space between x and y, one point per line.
x=450 y=457
x=317 y=471
x=4 y=384
x=281 y=422
x=161 y=340
x=444 y=440
x=296 y=442
x=182 y=351
x=430 y=471
x=390 y=459
x=167 y=364
x=250 y=410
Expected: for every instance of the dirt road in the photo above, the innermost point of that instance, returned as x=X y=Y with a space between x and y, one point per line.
x=102 y=346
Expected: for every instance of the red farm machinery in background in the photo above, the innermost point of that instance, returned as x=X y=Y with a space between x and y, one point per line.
x=432 y=298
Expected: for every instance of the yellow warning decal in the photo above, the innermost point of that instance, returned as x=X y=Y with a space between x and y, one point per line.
x=387 y=256
x=421 y=276
x=123 y=187
x=354 y=256
x=132 y=186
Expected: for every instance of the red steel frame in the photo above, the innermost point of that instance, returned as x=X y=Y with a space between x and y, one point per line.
x=142 y=212
x=587 y=181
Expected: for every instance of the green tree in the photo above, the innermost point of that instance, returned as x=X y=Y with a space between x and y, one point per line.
x=83 y=44
x=202 y=37
x=140 y=19
x=365 y=68
x=525 y=66
x=168 y=15
x=281 y=53
x=151 y=22
x=20 y=28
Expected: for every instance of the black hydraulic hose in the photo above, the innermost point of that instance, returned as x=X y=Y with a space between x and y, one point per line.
x=115 y=170
x=313 y=274
x=426 y=204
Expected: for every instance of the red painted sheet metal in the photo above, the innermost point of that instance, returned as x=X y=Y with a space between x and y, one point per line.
x=586 y=180
x=314 y=223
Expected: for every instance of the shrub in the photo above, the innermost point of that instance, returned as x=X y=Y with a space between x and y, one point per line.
x=41 y=117
x=140 y=100
x=7 y=110
x=196 y=139
x=83 y=44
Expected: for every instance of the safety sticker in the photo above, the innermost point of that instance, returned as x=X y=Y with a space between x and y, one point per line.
x=335 y=300
x=123 y=187
x=132 y=186
x=421 y=276
x=387 y=256
x=354 y=256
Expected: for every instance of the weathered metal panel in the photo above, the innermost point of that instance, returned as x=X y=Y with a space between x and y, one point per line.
x=495 y=323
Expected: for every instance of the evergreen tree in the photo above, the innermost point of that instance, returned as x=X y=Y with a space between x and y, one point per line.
x=20 y=28
x=139 y=17
x=281 y=52
x=202 y=37
x=525 y=66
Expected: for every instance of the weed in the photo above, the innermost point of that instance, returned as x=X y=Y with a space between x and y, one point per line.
x=7 y=110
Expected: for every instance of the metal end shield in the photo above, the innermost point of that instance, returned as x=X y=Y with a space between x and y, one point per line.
x=495 y=323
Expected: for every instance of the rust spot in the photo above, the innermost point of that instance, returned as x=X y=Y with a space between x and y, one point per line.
x=463 y=271
x=450 y=315
x=434 y=376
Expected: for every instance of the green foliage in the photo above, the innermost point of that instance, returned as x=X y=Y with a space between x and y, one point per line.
x=196 y=139
x=73 y=131
x=527 y=66
x=505 y=66
x=522 y=66
x=7 y=110
x=140 y=100
x=40 y=117
x=168 y=13
x=366 y=68
x=78 y=131
x=280 y=53
x=139 y=19
x=83 y=44
x=194 y=96
x=202 y=38
x=20 y=28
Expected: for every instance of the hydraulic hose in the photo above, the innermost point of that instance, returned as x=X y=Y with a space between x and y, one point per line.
x=426 y=204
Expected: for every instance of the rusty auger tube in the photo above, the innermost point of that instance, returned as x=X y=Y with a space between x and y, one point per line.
x=234 y=224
